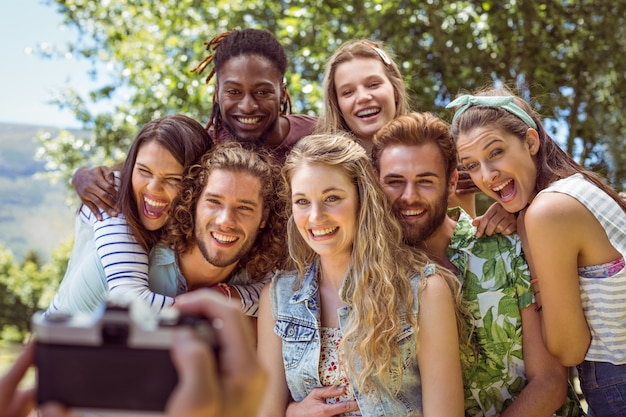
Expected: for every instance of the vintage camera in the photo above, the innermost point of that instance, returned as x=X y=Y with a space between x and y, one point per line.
x=114 y=362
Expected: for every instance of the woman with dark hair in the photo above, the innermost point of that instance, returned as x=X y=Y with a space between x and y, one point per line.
x=110 y=256
x=573 y=228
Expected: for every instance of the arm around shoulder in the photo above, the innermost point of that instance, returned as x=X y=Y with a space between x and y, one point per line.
x=96 y=189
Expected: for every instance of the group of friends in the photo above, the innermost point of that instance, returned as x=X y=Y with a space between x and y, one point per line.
x=351 y=244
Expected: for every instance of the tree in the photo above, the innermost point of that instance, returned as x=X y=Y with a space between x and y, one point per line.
x=569 y=55
x=27 y=288
x=13 y=311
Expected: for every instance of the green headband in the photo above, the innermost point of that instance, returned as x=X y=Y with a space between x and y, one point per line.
x=505 y=102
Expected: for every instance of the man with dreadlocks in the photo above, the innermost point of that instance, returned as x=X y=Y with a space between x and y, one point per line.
x=250 y=104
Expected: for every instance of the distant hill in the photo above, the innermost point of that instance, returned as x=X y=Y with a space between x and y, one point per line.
x=34 y=214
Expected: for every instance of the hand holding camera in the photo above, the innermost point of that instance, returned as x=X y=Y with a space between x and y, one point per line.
x=115 y=359
x=228 y=384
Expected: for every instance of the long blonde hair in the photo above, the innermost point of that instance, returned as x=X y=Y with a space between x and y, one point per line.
x=378 y=284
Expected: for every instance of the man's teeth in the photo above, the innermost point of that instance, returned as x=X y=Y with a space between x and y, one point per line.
x=323 y=232
x=224 y=238
x=501 y=186
x=249 y=120
x=412 y=212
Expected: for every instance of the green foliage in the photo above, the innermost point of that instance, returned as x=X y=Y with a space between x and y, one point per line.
x=27 y=288
x=568 y=55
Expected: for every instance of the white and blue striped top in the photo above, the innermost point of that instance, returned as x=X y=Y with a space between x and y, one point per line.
x=106 y=260
x=603 y=299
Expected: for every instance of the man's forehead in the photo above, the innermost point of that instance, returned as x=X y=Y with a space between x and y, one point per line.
x=398 y=157
x=234 y=180
x=249 y=69
x=395 y=153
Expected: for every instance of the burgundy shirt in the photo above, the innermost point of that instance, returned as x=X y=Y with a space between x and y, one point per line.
x=300 y=125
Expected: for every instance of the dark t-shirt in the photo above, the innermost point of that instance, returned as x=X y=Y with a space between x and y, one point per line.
x=300 y=125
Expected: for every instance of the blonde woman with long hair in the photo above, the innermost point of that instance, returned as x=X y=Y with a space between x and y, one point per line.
x=362 y=325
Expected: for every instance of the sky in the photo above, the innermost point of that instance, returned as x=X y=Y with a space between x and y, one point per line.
x=28 y=81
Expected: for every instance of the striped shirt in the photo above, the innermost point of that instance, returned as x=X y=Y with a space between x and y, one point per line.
x=106 y=261
x=603 y=299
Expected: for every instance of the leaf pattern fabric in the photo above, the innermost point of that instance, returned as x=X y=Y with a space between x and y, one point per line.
x=496 y=287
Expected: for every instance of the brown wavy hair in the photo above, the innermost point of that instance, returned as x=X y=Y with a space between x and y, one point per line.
x=415 y=129
x=269 y=250
x=185 y=139
x=552 y=162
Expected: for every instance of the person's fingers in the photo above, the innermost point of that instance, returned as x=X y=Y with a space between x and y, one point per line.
x=491 y=226
x=15 y=374
x=464 y=184
x=328 y=392
x=111 y=210
x=101 y=200
x=22 y=404
x=506 y=227
x=109 y=175
x=198 y=391
x=93 y=208
x=107 y=194
x=494 y=225
x=96 y=188
x=234 y=335
x=480 y=225
x=315 y=403
x=242 y=380
x=343 y=407
x=194 y=360
x=472 y=189
x=54 y=410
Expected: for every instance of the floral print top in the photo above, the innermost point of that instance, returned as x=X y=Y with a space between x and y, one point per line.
x=331 y=373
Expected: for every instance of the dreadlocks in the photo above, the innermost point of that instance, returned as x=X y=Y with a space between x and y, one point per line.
x=236 y=43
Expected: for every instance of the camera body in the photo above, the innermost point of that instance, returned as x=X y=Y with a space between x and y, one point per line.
x=114 y=362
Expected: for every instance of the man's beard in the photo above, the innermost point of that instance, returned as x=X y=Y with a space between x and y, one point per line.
x=260 y=140
x=416 y=234
x=220 y=260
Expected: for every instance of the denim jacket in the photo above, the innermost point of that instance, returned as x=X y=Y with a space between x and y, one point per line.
x=297 y=315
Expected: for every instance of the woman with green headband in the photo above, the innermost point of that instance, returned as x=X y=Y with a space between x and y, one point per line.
x=574 y=231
